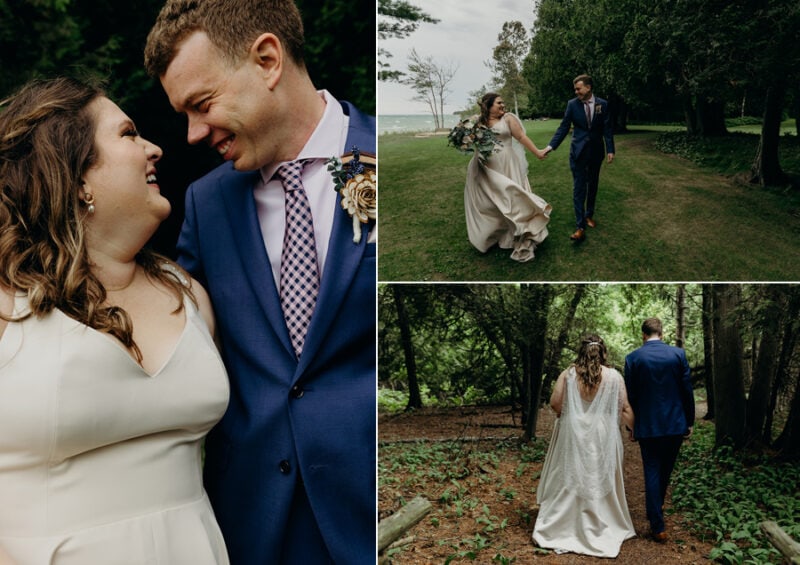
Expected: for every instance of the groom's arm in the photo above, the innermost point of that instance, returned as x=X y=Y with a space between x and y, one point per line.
x=561 y=132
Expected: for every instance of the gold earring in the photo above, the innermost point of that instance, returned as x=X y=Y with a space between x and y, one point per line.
x=89 y=200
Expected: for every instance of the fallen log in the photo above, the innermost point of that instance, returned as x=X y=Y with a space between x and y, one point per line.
x=390 y=529
x=782 y=541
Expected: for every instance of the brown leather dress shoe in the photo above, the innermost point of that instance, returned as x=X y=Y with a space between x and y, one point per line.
x=661 y=537
x=591 y=223
x=579 y=235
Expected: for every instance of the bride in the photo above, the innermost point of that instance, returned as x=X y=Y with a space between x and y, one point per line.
x=500 y=206
x=581 y=494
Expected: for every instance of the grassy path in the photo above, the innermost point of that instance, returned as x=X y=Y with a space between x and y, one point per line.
x=661 y=218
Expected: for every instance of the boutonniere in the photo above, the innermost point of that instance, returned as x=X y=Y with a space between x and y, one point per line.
x=355 y=180
x=598 y=109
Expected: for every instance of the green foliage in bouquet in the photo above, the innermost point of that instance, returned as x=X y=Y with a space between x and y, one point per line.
x=470 y=136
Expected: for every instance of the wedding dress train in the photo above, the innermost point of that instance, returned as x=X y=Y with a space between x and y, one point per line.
x=581 y=493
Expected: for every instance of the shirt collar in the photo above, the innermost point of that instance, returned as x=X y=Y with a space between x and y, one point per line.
x=326 y=140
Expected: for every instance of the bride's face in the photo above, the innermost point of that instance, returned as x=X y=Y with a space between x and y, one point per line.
x=498 y=108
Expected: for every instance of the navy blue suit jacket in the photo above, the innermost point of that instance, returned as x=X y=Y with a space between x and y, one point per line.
x=315 y=416
x=585 y=137
x=659 y=390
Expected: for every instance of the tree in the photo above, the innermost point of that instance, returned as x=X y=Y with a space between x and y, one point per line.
x=414 y=397
x=708 y=349
x=397 y=19
x=776 y=56
x=766 y=365
x=729 y=399
x=507 y=58
x=430 y=81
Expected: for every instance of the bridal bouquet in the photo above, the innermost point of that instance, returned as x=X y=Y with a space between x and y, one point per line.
x=471 y=136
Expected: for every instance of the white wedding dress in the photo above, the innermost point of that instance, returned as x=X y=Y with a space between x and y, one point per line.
x=581 y=493
x=500 y=207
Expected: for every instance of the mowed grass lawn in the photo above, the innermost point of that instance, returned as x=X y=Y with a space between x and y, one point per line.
x=660 y=218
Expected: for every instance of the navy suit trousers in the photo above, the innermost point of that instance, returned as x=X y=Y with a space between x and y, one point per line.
x=658 y=458
x=585 y=180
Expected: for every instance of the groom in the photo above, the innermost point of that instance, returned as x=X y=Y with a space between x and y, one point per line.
x=290 y=468
x=660 y=393
x=591 y=122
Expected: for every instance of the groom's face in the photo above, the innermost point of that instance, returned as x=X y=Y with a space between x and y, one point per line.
x=223 y=107
x=582 y=91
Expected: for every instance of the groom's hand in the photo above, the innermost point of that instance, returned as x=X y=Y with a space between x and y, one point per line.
x=610 y=158
x=688 y=433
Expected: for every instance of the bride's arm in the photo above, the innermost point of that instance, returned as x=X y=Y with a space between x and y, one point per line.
x=627 y=412
x=518 y=132
x=557 y=398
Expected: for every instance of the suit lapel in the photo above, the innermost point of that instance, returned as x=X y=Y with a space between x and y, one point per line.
x=240 y=204
x=344 y=256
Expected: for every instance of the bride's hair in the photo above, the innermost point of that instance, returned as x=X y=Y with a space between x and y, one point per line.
x=592 y=357
x=46 y=146
x=486 y=102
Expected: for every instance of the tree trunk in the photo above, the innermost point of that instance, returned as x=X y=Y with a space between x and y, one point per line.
x=680 y=311
x=729 y=401
x=537 y=306
x=708 y=350
x=689 y=115
x=414 y=397
x=710 y=117
x=789 y=441
x=552 y=368
x=790 y=335
x=766 y=170
x=766 y=365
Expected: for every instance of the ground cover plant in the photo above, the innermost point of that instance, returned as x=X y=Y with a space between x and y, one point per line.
x=481 y=479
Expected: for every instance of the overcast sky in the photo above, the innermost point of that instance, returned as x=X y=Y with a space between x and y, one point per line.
x=465 y=36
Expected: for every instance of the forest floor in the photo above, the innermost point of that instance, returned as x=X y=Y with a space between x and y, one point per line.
x=440 y=535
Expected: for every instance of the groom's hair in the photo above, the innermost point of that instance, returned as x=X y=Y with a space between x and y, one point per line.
x=231 y=25
x=651 y=326
x=585 y=79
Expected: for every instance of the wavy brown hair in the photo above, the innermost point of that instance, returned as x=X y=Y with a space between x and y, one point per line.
x=486 y=102
x=592 y=357
x=46 y=146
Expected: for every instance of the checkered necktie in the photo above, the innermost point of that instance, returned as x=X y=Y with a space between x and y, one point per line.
x=299 y=271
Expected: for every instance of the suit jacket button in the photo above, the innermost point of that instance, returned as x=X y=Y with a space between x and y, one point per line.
x=297 y=391
x=285 y=467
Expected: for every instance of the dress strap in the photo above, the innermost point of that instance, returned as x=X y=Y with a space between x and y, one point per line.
x=176 y=272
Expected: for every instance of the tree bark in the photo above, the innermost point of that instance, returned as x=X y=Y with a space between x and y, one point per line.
x=729 y=400
x=766 y=365
x=680 y=311
x=414 y=397
x=552 y=367
x=708 y=350
x=536 y=299
x=766 y=170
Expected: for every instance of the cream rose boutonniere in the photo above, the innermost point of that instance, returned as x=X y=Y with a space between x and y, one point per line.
x=598 y=109
x=355 y=180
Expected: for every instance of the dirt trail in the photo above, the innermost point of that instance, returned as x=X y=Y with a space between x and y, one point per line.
x=491 y=421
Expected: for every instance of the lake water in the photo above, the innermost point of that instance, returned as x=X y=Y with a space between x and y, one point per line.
x=411 y=123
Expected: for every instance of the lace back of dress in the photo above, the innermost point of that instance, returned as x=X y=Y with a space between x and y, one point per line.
x=592 y=438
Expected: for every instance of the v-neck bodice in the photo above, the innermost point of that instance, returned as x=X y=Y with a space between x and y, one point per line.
x=89 y=440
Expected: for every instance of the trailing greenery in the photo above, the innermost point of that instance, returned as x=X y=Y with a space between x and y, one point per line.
x=724 y=497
